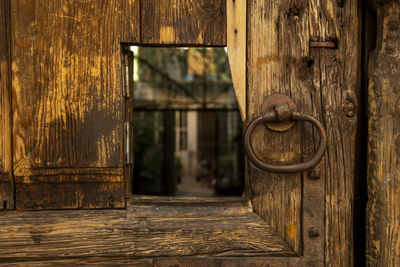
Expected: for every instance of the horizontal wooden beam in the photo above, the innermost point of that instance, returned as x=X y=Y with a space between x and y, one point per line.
x=139 y=231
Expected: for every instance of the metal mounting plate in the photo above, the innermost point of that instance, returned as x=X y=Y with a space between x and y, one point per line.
x=269 y=104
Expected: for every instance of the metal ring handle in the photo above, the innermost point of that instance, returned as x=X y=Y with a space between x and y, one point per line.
x=295 y=167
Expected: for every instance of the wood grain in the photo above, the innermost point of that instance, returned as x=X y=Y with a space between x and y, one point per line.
x=91 y=261
x=66 y=76
x=6 y=182
x=335 y=99
x=236 y=44
x=126 y=233
x=273 y=67
x=227 y=262
x=164 y=262
x=183 y=22
x=324 y=83
x=383 y=209
x=189 y=207
x=67 y=195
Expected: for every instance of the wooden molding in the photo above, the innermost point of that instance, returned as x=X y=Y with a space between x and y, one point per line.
x=236 y=43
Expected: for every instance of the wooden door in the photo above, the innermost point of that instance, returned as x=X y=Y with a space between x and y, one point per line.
x=68 y=105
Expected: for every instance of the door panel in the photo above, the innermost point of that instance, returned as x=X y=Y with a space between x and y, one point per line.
x=6 y=182
x=336 y=76
x=183 y=22
x=272 y=67
x=67 y=102
x=307 y=209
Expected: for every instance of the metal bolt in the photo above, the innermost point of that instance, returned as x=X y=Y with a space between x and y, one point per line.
x=341 y=3
x=313 y=232
x=349 y=107
x=314 y=174
x=349 y=110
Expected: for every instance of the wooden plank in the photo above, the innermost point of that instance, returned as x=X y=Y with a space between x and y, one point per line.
x=6 y=194
x=163 y=262
x=61 y=235
x=143 y=207
x=67 y=97
x=383 y=209
x=70 y=171
x=335 y=99
x=73 y=178
x=236 y=43
x=277 y=49
x=130 y=21
x=226 y=262
x=91 y=261
x=324 y=83
x=67 y=195
x=6 y=185
x=183 y=22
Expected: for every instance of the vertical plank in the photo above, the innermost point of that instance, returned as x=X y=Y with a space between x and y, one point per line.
x=67 y=97
x=6 y=178
x=383 y=208
x=277 y=51
x=336 y=97
x=130 y=21
x=236 y=44
x=324 y=83
x=183 y=22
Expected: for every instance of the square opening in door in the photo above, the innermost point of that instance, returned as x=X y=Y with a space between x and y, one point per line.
x=187 y=129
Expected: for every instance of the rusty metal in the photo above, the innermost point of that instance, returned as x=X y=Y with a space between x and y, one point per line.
x=324 y=44
x=128 y=152
x=274 y=101
x=313 y=232
x=314 y=174
x=280 y=114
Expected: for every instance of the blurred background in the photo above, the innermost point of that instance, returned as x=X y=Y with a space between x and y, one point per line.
x=187 y=126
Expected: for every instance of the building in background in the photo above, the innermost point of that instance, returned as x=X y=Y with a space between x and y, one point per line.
x=190 y=89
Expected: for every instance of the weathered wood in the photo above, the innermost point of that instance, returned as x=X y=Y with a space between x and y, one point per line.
x=335 y=98
x=277 y=46
x=189 y=207
x=183 y=22
x=6 y=192
x=383 y=209
x=226 y=262
x=66 y=75
x=236 y=44
x=132 y=233
x=91 y=261
x=70 y=195
x=324 y=83
x=6 y=182
x=164 y=262
x=67 y=89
